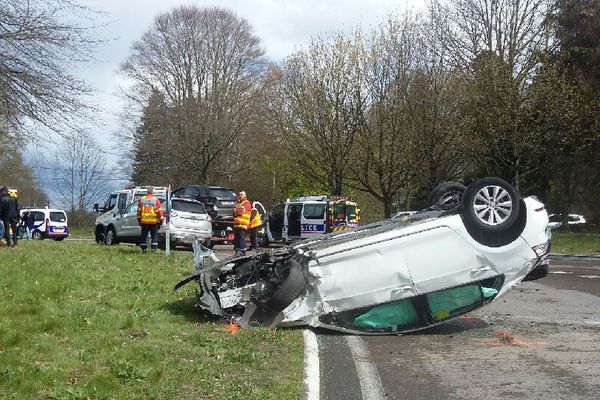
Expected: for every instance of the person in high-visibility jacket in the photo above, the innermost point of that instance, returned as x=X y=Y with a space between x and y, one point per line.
x=149 y=216
x=254 y=227
x=241 y=214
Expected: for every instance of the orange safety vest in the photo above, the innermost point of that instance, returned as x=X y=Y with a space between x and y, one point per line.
x=255 y=220
x=242 y=214
x=149 y=210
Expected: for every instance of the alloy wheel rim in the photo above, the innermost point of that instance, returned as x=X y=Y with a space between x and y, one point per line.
x=492 y=205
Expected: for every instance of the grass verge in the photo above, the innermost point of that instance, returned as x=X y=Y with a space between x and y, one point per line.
x=82 y=321
x=575 y=243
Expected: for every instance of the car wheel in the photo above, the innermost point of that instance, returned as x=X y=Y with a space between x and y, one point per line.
x=290 y=287
x=37 y=235
x=446 y=195
x=100 y=236
x=262 y=240
x=492 y=212
x=111 y=237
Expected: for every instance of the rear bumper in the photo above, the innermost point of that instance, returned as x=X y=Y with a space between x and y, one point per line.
x=185 y=236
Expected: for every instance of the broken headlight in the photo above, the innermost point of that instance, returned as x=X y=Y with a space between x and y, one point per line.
x=541 y=249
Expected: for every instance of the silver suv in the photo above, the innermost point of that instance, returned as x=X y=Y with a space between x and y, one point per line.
x=189 y=222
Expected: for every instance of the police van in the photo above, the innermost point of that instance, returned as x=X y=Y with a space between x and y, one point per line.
x=116 y=203
x=309 y=217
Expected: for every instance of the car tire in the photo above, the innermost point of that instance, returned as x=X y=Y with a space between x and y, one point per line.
x=289 y=289
x=492 y=212
x=262 y=240
x=100 y=235
x=110 y=237
x=37 y=235
x=446 y=195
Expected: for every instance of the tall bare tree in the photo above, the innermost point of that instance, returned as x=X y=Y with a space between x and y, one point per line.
x=39 y=39
x=317 y=107
x=497 y=44
x=208 y=66
x=81 y=173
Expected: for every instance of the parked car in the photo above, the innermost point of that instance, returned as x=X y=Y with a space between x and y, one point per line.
x=573 y=220
x=392 y=276
x=48 y=223
x=189 y=222
x=219 y=201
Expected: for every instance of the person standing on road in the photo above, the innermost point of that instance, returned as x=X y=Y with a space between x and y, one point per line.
x=241 y=221
x=149 y=216
x=9 y=214
x=254 y=227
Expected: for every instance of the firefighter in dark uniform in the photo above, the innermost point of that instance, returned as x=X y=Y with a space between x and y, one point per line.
x=9 y=214
x=149 y=216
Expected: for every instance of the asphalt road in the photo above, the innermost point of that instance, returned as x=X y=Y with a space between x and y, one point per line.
x=541 y=340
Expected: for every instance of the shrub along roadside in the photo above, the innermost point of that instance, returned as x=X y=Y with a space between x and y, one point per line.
x=78 y=320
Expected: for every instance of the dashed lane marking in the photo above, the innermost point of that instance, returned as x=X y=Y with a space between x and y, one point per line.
x=370 y=382
x=561 y=272
x=589 y=276
x=311 y=365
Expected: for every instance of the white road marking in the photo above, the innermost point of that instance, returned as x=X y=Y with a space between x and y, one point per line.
x=370 y=383
x=561 y=272
x=311 y=365
x=589 y=276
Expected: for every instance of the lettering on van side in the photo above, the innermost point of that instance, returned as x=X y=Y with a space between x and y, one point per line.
x=313 y=228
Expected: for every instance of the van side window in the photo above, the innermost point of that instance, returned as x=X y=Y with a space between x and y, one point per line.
x=38 y=216
x=112 y=202
x=314 y=211
x=122 y=201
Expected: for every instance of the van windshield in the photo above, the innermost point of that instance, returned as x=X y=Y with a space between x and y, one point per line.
x=57 y=216
x=222 y=194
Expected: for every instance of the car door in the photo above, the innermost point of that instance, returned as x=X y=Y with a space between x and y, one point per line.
x=313 y=219
x=439 y=258
x=275 y=222
x=126 y=223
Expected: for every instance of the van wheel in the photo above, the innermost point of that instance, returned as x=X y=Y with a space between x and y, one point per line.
x=111 y=237
x=100 y=236
x=37 y=235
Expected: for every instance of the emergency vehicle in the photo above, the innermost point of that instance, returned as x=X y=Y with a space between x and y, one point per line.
x=116 y=203
x=309 y=217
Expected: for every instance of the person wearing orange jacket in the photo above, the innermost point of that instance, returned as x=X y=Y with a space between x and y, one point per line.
x=241 y=214
x=254 y=226
x=149 y=216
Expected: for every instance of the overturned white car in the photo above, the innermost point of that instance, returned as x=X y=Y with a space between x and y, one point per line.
x=470 y=247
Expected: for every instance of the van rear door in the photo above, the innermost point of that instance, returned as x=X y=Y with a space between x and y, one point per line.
x=313 y=219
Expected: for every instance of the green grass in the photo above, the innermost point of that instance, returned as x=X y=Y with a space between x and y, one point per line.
x=575 y=243
x=82 y=321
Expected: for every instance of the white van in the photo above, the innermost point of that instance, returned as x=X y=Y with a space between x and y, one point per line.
x=116 y=203
x=309 y=217
x=48 y=223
